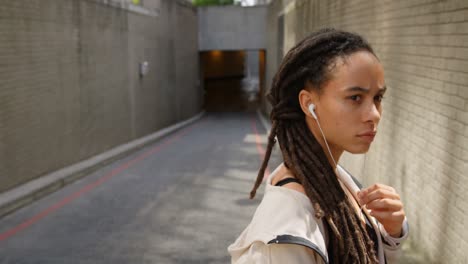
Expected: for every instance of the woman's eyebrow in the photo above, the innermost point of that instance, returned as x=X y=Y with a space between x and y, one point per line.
x=364 y=90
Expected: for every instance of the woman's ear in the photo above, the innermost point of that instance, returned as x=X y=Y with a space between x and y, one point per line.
x=305 y=99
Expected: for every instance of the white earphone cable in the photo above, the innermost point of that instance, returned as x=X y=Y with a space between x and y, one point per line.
x=326 y=143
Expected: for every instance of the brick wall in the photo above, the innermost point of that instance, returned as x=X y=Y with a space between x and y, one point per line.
x=422 y=146
x=69 y=82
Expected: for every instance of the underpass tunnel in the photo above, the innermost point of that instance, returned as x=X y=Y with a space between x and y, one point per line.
x=232 y=80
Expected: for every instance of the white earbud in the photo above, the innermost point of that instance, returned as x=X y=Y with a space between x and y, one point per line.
x=312 y=111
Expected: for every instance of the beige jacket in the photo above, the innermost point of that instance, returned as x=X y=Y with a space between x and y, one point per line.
x=284 y=230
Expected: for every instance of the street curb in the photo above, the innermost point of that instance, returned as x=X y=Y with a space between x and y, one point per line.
x=29 y=192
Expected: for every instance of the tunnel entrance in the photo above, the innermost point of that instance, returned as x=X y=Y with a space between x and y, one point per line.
x=232 y=80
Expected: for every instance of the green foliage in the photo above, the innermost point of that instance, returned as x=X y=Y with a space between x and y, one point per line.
x=212 y=2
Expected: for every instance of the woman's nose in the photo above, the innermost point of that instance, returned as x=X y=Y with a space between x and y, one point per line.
x=373 y=113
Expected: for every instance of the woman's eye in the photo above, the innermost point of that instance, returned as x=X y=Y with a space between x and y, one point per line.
x=356 y=98
x=378 y=98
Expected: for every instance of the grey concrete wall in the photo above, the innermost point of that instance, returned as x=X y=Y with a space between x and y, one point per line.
x=232 y=27
x=69 y=82
x=422 y=145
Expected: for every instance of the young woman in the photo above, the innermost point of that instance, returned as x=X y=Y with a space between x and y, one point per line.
x=326 y=99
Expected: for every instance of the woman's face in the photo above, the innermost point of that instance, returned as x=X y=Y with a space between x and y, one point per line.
x=349 y=105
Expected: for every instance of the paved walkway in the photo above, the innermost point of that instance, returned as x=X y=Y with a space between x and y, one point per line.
x=180 y=200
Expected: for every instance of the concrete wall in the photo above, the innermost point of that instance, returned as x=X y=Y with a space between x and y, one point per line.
x=69 y=82
x=232 y=28
x=422 y=146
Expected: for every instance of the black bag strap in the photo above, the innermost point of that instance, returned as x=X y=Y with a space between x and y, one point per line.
x=286 y=181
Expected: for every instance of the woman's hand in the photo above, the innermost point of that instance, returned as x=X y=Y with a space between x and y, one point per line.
x=385 y=205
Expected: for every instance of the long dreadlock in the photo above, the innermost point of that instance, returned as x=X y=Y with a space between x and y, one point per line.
x=311 y=62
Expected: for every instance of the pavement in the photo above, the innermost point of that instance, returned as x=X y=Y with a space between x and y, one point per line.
x=180 y=199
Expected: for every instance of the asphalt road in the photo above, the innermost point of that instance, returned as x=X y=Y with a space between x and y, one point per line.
x=183 y=199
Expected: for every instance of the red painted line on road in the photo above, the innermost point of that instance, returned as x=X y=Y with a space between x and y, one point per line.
x=260 y=150
x=93 y=185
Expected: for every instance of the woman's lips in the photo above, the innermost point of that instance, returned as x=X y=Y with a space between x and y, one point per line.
x=368 y=136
